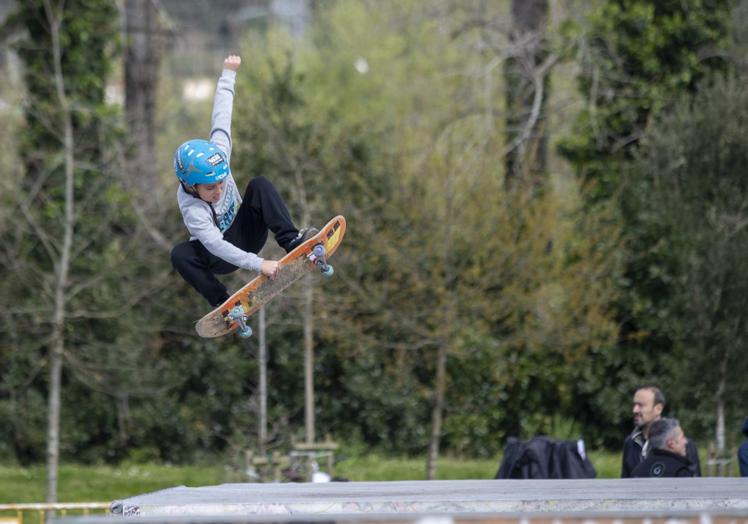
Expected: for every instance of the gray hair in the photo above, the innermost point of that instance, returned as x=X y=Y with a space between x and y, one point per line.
x=660 y=431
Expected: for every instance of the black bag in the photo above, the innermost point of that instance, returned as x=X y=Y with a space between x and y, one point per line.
x=545 y=458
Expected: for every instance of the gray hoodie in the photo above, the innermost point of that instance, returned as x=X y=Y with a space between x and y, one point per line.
x=196 y=213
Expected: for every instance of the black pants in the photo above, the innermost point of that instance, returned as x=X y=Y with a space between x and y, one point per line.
x=262 y=210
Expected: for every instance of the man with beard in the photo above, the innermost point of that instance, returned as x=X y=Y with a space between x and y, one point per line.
x=649 y=402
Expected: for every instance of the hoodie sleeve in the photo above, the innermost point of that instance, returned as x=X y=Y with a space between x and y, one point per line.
x=223 y=104
x=201 y=227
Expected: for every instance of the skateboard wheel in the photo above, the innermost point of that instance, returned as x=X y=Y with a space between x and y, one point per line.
x=319 y=251
x=328 y=271
x=246 y=332
x=236 y=313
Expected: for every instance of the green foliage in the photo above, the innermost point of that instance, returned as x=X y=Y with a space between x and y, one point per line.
x=36 y=195
x=437 y=253
x=393 y=115
x=102 y=344
x=692 y=189
x=88 y=41
x=637 y=56
x=325 y=167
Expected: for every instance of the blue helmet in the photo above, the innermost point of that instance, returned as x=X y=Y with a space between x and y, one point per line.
x=200 y=162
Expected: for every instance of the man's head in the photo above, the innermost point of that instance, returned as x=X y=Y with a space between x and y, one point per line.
x=667 y=434
x=648 y=405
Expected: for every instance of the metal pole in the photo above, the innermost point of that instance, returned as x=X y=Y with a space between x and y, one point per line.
x=309 y=359
x=263 y=407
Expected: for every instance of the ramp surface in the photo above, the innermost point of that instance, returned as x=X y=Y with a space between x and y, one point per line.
x=625 y=496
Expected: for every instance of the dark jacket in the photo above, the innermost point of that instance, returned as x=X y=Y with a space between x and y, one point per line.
x=545 y=458
x=743 y=452
x=743 y=458
x=663 y=463
x=632 y=454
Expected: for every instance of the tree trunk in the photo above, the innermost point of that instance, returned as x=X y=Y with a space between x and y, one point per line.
x=436 y=412
x=308 y=321
x=53 y=410
x=448 y=321
x=309 y=358
x=720 y=426
x=141 y=83
x=262 y=433
x=526 y=93
x=720 y=405
x=57 y=349
x=123 y=414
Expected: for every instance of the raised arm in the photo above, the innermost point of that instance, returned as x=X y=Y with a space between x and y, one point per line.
x=223 y=103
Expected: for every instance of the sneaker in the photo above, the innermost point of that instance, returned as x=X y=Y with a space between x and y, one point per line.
x=304 y=235
x=220 y=302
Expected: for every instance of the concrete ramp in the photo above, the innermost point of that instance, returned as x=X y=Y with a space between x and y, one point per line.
x=465 y=498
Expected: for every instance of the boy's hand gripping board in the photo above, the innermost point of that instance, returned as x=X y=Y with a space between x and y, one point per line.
x=232 y=315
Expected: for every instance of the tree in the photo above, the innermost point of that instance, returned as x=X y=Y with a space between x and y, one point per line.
x=636 y=59
x=691 y=169
x=142 y=55
x=463 y=309
x=527 y=83
x=58 y=167
x=280 y=145
x=459 y=265
x=72 y=230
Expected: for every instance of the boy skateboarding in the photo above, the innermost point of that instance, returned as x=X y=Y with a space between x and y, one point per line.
x=226 y=230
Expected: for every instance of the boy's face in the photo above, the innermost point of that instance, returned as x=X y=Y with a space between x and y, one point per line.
x=210 y=192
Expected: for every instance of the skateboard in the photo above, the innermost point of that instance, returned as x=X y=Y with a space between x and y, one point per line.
x=233 y=314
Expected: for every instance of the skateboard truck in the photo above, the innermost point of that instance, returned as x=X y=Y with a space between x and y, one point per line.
x=318 y=258
x=237 y=315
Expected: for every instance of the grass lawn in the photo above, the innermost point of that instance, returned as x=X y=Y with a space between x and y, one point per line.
x=101 y=483
x=106 y=483
x=374 y=468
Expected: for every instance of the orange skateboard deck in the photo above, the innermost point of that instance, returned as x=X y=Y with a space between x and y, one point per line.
x=232 y=315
